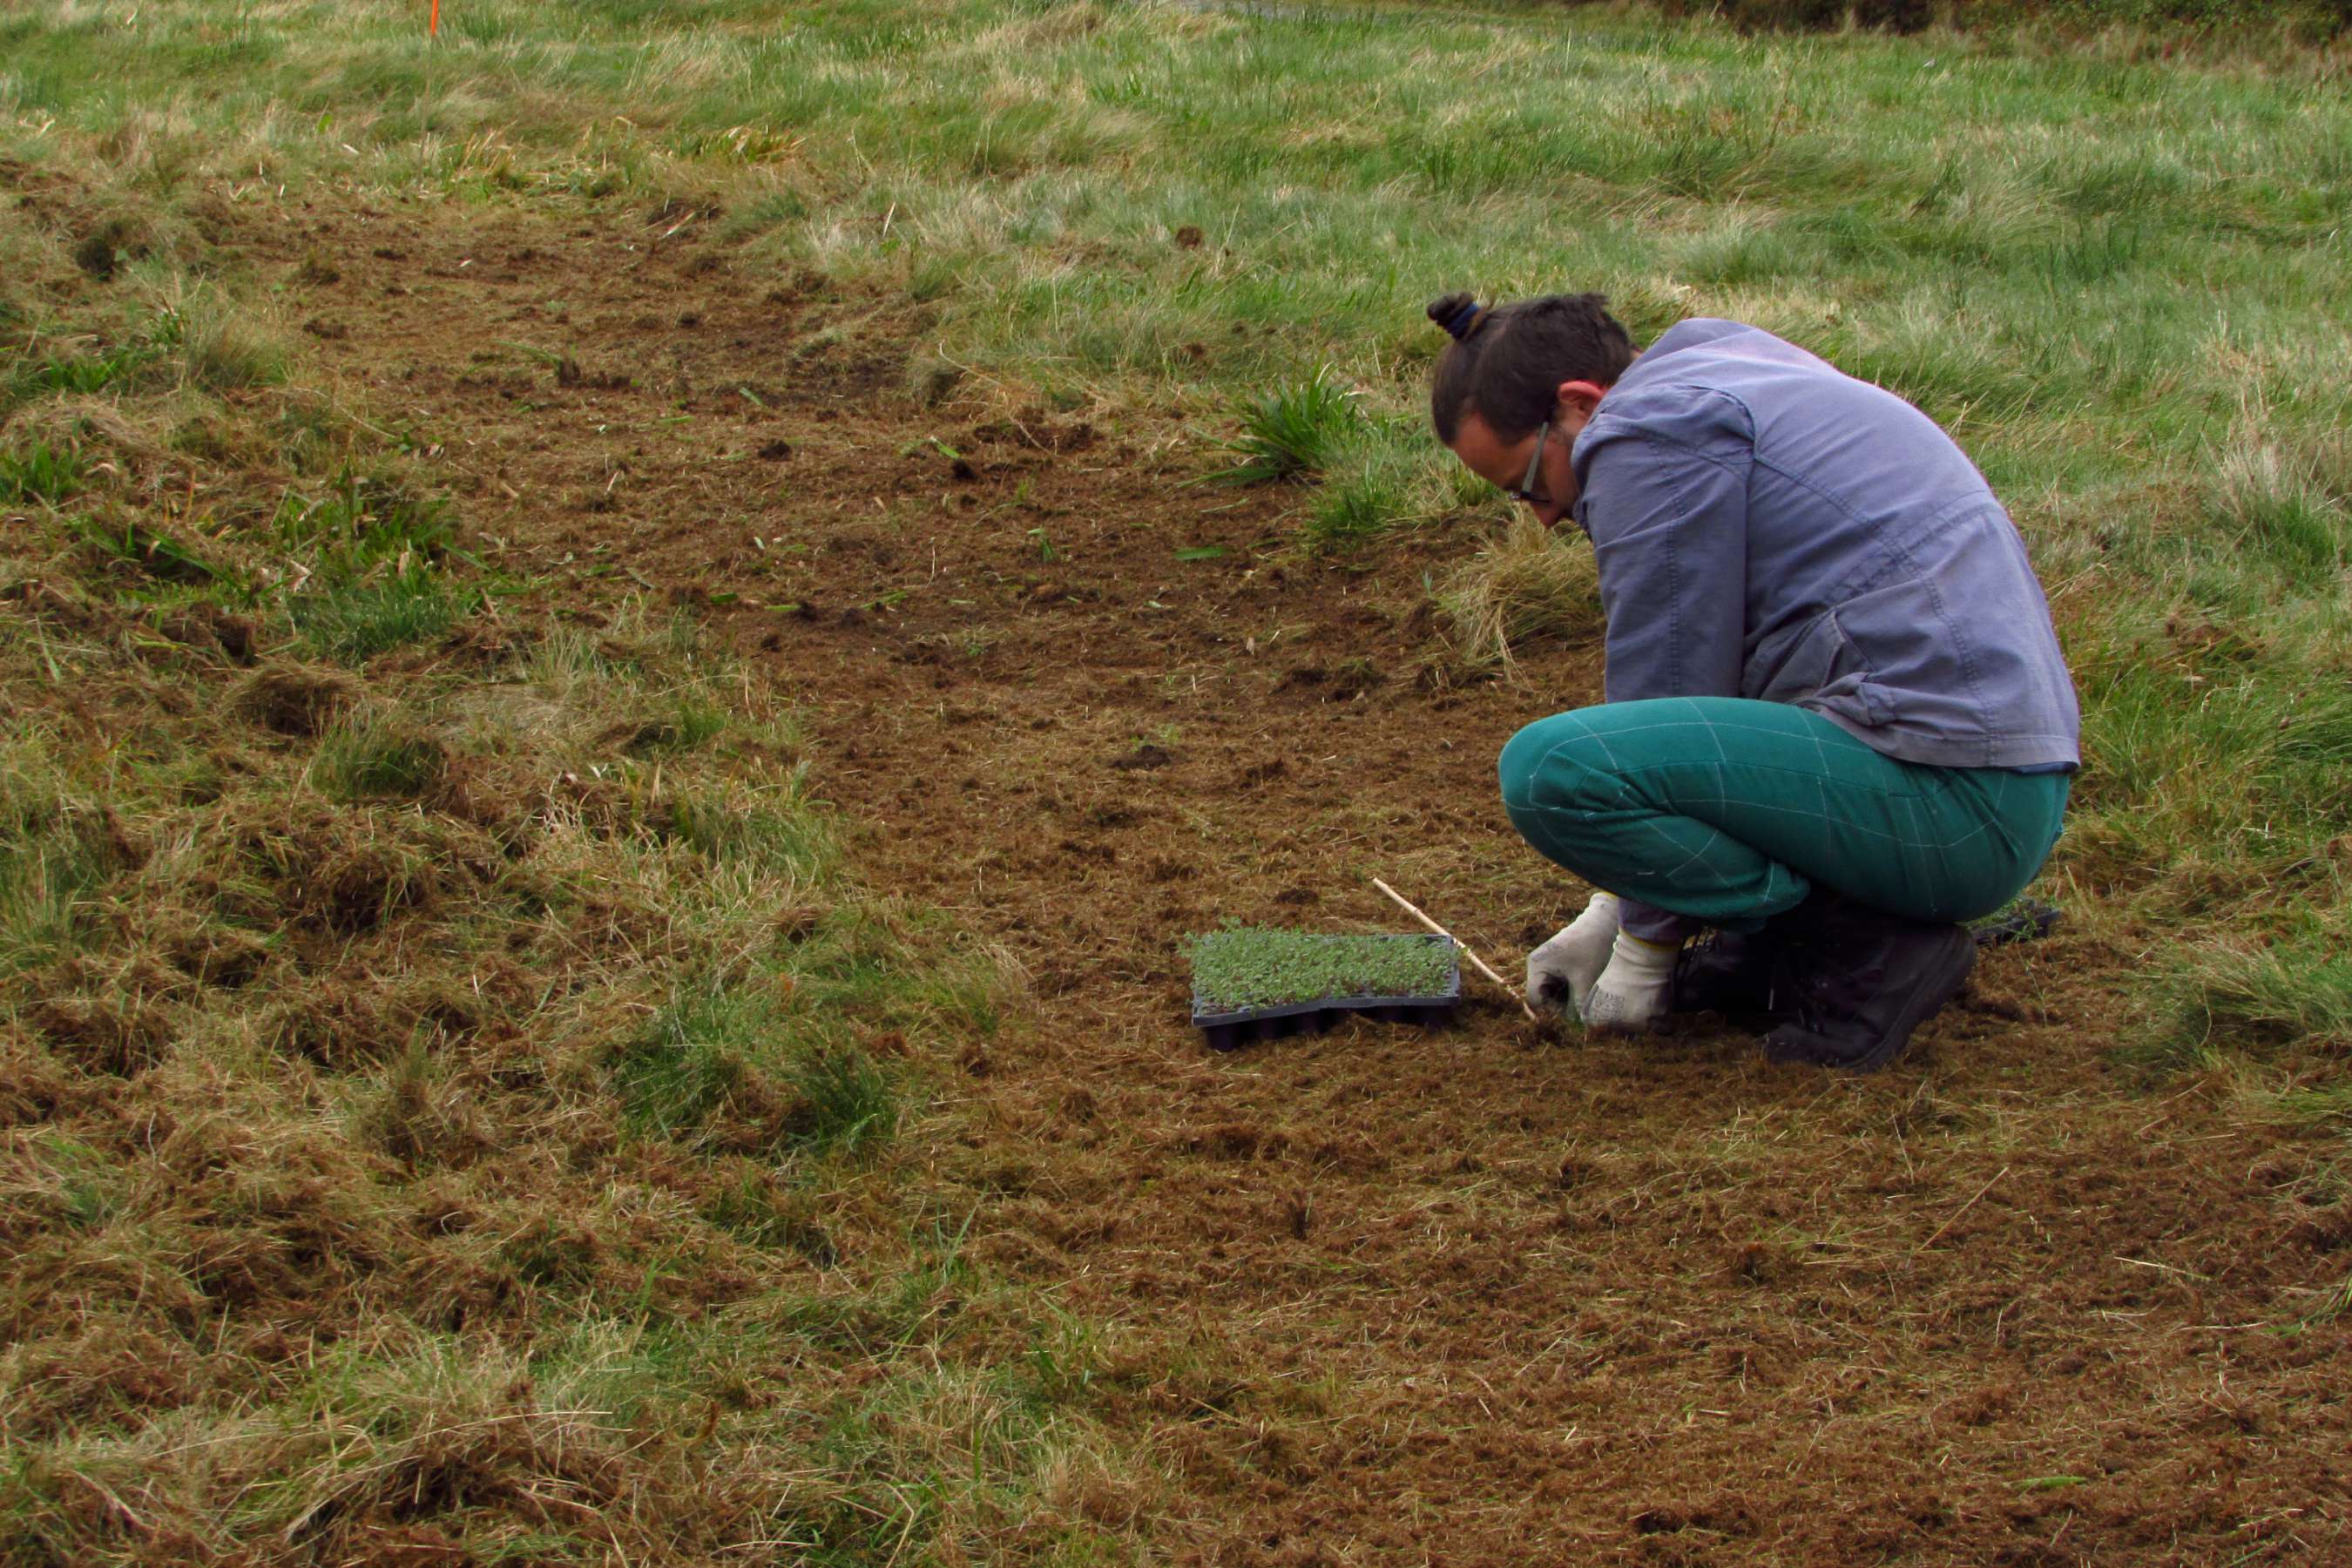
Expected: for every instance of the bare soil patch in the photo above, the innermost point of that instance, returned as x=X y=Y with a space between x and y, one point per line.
x=1483 y=1296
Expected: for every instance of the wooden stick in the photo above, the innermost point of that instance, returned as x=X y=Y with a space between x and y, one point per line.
x=1476 y=962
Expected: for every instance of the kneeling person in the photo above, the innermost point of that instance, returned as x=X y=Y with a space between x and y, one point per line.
x=1838 y=722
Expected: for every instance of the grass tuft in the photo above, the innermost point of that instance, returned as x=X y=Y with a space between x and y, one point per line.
x=689 y=1059
x=377 y=761
x=354 y=621
x=1296 y=431
x=220 y=344
x=149 y=552
x=2297 y=992
x=772 y=831
x=361 y=519
x=2291 y=502
x=759 y=1212
x=80 y=374
x=41 y=472
x=1532 y=585
x=58 y=849
x=850 y=1106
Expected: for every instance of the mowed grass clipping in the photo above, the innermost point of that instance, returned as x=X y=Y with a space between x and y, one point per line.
x=456 y=1102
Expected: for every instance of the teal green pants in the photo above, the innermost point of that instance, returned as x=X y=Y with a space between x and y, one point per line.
x=1729 y=812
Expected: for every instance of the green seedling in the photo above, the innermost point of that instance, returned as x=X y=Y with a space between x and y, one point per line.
x=1242 y=967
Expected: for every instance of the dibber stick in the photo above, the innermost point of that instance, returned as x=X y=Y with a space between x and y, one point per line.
x=1477 y=963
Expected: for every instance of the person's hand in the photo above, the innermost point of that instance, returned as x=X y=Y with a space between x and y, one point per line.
x=1562 y=970
x=1631 y=993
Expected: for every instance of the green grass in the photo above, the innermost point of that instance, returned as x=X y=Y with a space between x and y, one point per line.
x=1293 y=432
x=80 y=374
x=693 y=723
x=380 y=563
x=2297 y=989
x=773 y=1050
x=377 y=762
x=849 y=1104
x=763 y=1214
x=356 y=620
x=359 y=520
x=40 y=472
x=690 y=1056
x=219 y=343
x=55 y=851
x=726 y=826
x=148 y=551
x=84 y=1185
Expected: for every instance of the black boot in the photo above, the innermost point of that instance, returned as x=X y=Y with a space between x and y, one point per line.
x=1850 y=993
x=1728 y=971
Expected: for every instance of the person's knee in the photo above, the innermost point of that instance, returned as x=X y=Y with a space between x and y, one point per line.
x=1557 y=784
x=1557 y=764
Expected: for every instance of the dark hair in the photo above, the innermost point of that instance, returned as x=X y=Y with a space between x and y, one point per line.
x=1507 y=362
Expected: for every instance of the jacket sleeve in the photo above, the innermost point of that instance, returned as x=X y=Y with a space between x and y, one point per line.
x=1666 y=492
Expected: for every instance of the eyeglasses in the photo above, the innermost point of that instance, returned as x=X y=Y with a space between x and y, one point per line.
x=1526 y=490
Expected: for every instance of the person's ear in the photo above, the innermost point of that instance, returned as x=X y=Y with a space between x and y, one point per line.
x=1577 y=400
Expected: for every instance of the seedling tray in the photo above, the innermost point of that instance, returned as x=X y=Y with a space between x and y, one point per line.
x=1226 y=1028
x=2023 y=920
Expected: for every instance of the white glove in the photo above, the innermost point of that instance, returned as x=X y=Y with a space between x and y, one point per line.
x=1631 y=993
x=1562 y=970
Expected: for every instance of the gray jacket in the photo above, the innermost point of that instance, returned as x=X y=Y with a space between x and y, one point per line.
x=1767 y=527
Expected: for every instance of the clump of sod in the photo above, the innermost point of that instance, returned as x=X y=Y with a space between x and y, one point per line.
x=1242 y=967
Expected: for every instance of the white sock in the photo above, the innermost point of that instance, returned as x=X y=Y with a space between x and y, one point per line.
x=1632 y=992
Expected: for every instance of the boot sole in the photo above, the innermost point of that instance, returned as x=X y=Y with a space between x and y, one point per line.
x=1951 y=971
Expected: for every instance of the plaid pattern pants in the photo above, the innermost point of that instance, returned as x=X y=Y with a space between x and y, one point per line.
x=1729 y=812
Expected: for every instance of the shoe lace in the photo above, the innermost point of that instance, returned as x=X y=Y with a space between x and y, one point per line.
x=1695 y=954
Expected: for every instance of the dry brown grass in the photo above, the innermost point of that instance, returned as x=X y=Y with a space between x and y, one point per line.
x=1528 y=584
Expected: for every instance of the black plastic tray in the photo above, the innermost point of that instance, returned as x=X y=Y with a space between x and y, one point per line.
x=1230 y=1031
x=2026 y=921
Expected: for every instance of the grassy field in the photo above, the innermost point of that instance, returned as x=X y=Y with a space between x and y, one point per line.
x=466 y=1101
x=2119 y=281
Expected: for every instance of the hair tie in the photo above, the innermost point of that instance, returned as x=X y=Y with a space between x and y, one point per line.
x=1464 y=319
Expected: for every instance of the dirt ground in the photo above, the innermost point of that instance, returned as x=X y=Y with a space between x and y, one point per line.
x=1484 y=1295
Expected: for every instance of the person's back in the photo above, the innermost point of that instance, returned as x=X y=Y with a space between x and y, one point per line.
x=1882 y=583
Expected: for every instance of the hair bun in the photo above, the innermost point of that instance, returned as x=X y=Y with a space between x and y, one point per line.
x=1457 y=313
